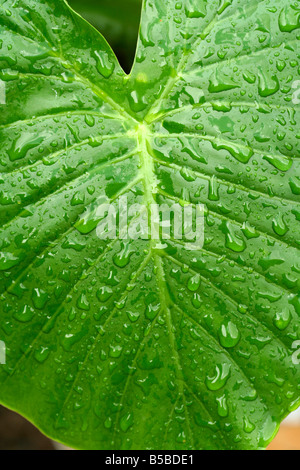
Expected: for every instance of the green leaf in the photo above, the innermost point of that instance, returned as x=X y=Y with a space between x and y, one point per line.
x=117 y=20
x=132 y=344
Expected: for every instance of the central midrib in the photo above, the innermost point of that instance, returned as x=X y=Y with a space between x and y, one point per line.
x=147 y=167
x=150 y=189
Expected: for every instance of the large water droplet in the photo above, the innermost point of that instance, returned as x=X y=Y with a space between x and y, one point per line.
x=280 y=163
x=104 y=64
x=137 y=102
x=248 y=426
x=83 y=303
x=289 y=18
x=23 y=144
x=133 y=316
x=193 y=10
x=126 y=422
x=25 y=314
x=279 y=226
x=122 y=258
x=268 y=85
x=104 y=293
x=39 y=298
x=213 y=192
x=283 y=319
x=8 y=260
x=234 y=241
x=220 y=378
x=194 y=283
x=222 y=406
x=241 y=153
x=229 y=335
x=41 y=354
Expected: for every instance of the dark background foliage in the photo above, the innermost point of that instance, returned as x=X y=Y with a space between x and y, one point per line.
x=117 y=20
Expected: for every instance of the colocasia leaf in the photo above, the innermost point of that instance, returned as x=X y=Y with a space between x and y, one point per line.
x=131 y=343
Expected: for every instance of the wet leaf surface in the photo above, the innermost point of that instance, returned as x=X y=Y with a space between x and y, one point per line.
x=130 y=344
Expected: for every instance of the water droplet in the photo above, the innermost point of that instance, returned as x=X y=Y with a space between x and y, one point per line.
x=289 y=18
x=108 y=423
x=24 y=315
x=229 y=335
x=126 y=422
x=195 y=11
x=74 y=245
x=248 y=426
x=122 y=258
x=218 y=84
x=249 y=77
x=136 y=102
x=90 y=120
x=39 y=298
x=196 y=301
x=70 y=339
x=249 y=231
x=187 y=175
x=241 y=153
x=115 y=351
x=268 y=85
x=269 y=430
x=222 y=406
x=194 y=283
x=295 y=185
x=279 y=226
x=283 y=319
x=8 y=260
x=77 y=199
x=213 y=192
x=104 y=64
x=104 y=293
x=280 y=64
x=233 y=241
x=41 y=354
x=23 y=144
x=152 y=310
x=224 y=4
x=280 y=163
x=133 y=316
x=83 y=303
x=220 y=379
x=181 y=437
x=87 y=223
